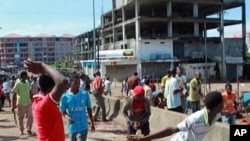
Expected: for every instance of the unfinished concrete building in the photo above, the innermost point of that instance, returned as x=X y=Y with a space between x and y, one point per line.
x=149 y=36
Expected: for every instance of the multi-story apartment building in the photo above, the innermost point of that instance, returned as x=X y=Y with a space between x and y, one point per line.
x=50 y=49
x=149 y=36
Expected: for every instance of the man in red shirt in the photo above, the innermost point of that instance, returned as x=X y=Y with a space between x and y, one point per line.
x=97 y=84
x=47 y=116
x=136 y=111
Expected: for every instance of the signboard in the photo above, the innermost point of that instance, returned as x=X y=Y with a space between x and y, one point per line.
x=115 y=53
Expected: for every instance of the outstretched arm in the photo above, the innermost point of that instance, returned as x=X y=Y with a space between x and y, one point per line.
x=162 y=133
x=61 y=82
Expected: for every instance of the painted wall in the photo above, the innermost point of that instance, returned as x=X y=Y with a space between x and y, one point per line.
x=162 y=48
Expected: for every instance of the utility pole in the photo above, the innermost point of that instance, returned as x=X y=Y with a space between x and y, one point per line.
x=94 y=40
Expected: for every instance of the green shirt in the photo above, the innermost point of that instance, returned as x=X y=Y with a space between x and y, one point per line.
x=22 y=91
x=194 y=85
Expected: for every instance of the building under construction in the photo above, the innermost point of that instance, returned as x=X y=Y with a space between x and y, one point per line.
x=149 y=36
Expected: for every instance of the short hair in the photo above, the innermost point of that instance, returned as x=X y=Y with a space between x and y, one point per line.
x=146 y=81
x=228 y=84
x=73 y=77
x=135 y=73
x=98 y=73
x=213 y=99
x=82 y=75
x=45 y=82
x=4 y=79
x=23 y=73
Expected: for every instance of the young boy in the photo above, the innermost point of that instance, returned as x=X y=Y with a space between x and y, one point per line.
x=73 y=107
x=195 y=126
x=47 y=116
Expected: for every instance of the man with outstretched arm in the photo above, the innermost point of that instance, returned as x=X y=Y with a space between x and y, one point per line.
x=45 y=109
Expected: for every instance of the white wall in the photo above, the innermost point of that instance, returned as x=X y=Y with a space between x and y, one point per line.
x=154 y=47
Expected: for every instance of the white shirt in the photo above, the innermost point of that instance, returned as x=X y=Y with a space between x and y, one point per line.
x=173 y=100
x=6 y=87
x=107 y=85
x=194 y=127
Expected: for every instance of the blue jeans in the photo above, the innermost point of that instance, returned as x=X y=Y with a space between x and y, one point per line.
x=230 y=120
x=187 y=106
x=144 y=130
x=79 y=136
x=195 y=106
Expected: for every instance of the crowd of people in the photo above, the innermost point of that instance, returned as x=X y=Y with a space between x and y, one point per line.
x=48 y=96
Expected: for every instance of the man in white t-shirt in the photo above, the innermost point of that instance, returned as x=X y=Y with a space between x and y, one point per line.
x=182 y=80
x=173 y=95
x=195 y=126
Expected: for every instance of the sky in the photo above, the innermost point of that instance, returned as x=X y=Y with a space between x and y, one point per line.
x=58 y=17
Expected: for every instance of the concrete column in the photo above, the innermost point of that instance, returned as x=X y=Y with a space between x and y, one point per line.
x=196 y=29
x=170 y=29
x=123 y=26
x=102 y=33
x=196 y=14
x=169 y=8
x=195 y=10
x=221 y=30
x=113 y=27
x=152 y=12
x=137 y=22
x=169 y=13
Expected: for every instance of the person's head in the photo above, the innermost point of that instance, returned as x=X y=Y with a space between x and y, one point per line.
x=87 y=78
x=228 y=88
x=178 y=70
x=197 y=75
x=107 y=78
x=172 y=72
x=168 y=71
x=98 y=73
x=146 y=81
x=126 y=79
x=139 y=93
x=83 y=76
x=24 y=75
x=4 y=79
x=46 y=83
x=135 y=74
x=74 y=81
x=13 y=77
x=214 y=101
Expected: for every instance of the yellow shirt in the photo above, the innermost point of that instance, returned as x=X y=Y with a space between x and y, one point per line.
x=197 y=86
x=163 y=80
x=163 y=83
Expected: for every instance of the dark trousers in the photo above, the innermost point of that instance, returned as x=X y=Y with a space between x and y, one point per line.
x=177 y=109
x=145 y=130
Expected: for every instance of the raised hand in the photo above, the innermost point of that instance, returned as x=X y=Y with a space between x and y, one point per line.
x=34 y=66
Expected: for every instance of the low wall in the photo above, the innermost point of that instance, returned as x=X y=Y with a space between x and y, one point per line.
x=160 y=119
